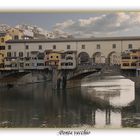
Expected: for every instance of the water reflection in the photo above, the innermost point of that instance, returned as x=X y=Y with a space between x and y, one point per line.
x=95 y=104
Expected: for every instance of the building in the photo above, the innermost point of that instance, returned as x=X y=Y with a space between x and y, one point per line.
x=34 y=62
x=131 y=59
x=52 y=58
x=68 y=60
x=89 y=50
x=17 y=34
x=3 y=38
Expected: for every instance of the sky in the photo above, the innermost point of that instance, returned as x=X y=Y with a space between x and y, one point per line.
x=80 y=24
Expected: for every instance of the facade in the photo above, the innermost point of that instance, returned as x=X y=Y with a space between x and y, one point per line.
x=131 y=59
x=17 y=34
x=52 y=58
x=34 y=62
x=89 y=50
x=68 y=60
x=3 y=38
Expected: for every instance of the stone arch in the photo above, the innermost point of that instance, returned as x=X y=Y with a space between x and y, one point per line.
x=98 y=58
x=83 y=58
x=113 y=58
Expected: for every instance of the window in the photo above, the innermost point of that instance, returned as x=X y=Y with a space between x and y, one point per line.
x=20 y=54
x=27 y=54
x=2 y=40
x=40 y=64
x=69 y=58
x=54 y=46
x=83 y=46
x=62 y=64
x=133 y=64
x=27 y=47
x=51 y=56
x=98 y=46
x=134 y=57
x=113 y=46
x=130 y=46
x=56 y=56
x=14 y=54
x=125 y=64
x=8 y=54
x=63 y=56
x=9 y=47
x=21 y=64
x=27 y=64
x=16 y=37
x=2 y=47
x=40 y=47
x=68 y=46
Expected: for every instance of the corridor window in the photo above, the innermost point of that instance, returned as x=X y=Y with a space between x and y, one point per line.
x=40 y=47
x=68 y=46
x=83 y=46
x=113 y=46
x=54 y=46
x=27 y=47
x=98 y=46
x=130 y=46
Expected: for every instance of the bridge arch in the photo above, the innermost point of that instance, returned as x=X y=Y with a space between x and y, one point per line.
x=98 y=58
x=113 y=58
x=83 y=58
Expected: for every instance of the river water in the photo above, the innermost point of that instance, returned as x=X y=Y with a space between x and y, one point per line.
x=108 y=102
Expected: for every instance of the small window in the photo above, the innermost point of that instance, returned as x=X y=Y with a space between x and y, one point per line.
x=98 y=46
x=27 y=47
x=54 y=46
x=9 y=47
x=114 y=46
x=130 y=46
x=9 y=54
x=83 y=46
x=68 y=46
x=133 y=64
x=56 y=56
x=125 y=64
x=2 y=40
x=16 y=37
x=21 y=64
x=2 y=47
x=40 y=47
x=51 y=56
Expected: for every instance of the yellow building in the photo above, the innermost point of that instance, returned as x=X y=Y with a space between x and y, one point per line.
x=131 y=59
x=3 y=38
x=52 y=58
x=15 y=33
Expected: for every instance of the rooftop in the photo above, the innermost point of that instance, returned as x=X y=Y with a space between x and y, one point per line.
x=76 y=39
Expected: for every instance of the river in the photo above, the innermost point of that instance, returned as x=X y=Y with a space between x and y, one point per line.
x=107 y=102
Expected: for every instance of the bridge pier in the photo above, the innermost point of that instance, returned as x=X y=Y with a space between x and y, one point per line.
x=59 y=79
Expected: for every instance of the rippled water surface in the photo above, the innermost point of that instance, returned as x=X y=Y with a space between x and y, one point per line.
x=110 y=102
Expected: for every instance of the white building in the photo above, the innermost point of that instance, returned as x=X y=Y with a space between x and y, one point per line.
x=68 y=60
x=89 y=50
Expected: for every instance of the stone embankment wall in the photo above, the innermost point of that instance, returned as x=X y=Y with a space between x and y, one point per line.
x=34 y=77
